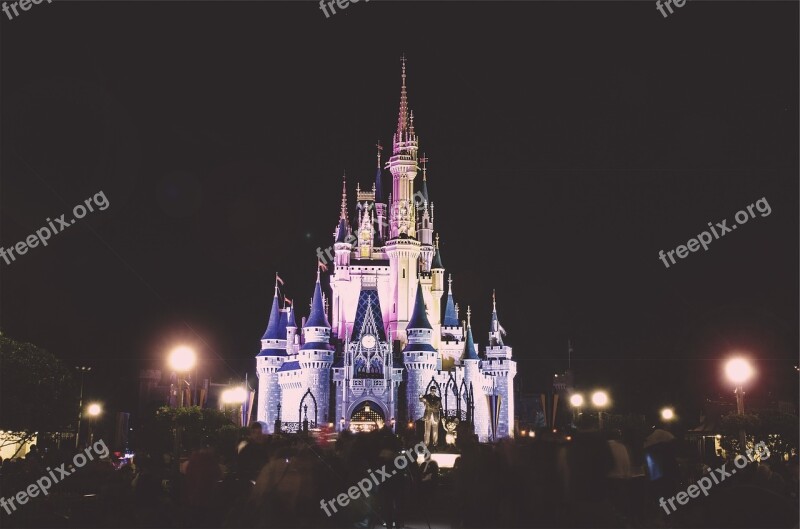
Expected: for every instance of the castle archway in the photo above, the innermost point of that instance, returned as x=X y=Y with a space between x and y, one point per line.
x=365 y=416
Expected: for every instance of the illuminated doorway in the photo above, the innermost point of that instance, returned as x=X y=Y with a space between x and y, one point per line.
x=366 y=417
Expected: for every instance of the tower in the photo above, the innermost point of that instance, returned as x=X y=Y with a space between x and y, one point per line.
x=476 y=383
x=380 y=202
x=402 y=248
x=451 y=344
x=437 y=290
x=268 y=361
x=316 y=357
x=503 y=369
x=425 y=223
x=419 y=355
x=342 y=247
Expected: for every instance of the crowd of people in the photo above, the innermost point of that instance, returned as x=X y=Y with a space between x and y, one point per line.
x=586 y=479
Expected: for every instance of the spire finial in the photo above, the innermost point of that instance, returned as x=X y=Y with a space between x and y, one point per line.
x=276 y=284
x=450 y=283
x=402 y=118
x=469 y=317
x=437 y=241
x=494 y=302
x=379 y=148
x=424 y=161
x=343 y=213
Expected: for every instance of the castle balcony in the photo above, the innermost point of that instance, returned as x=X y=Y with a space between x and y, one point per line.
x=368 y=383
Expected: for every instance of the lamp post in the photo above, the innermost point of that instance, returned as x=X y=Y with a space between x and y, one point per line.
x=600 y=401
x=83 y=370
x=576 y=401
x=236 y=397
x=739 y=371
x=93 y=410
x=181 y=359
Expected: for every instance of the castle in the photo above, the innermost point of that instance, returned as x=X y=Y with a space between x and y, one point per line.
x=383 y=341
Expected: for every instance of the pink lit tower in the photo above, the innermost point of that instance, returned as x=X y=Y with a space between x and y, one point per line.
x=385 y=340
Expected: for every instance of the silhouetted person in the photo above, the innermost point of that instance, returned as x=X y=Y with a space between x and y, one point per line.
x=252 y=453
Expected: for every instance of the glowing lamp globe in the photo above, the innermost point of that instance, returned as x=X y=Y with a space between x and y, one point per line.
x=234 y=396
x=600 y=399
x=182 y=359
x=738 y=370
x=94 y=409
x=576 y=400
x=667 y=414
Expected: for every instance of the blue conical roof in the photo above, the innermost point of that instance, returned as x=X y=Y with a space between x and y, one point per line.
x=450 y=316
x=282 y=323
x=273 y=331
x=469 y=348
x=419 y=318
x=437 y=261
x=317 y=318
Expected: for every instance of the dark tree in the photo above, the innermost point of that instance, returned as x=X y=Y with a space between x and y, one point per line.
x=37 y=391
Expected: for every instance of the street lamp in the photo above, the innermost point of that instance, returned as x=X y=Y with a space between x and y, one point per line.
x=739 y=371
x=93 y=410
x=576 y=401
x=235 y=397
x=182 y=359
x=667 y=414
x=600 y=401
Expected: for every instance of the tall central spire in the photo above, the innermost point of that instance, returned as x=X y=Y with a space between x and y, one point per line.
x=343 y=212
x=402 y=118
x=403 y=166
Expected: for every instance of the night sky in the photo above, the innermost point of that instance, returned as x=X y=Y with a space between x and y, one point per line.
x=568 y=144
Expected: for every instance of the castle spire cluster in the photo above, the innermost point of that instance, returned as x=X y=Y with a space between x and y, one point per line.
x=388 y=338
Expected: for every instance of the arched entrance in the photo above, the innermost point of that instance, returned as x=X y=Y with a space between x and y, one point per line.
x=365 y=417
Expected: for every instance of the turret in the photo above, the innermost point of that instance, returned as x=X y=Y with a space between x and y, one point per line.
x=419 y=355
x=344 y=237
x=403 y=166
x=470 y=353
x=268 y=361
x=503 y=369
x=380 y=203
x=292 y=339
x=316 y=354
x=450 y=324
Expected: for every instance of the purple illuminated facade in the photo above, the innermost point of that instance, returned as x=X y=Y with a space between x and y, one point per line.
x=386 y=336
